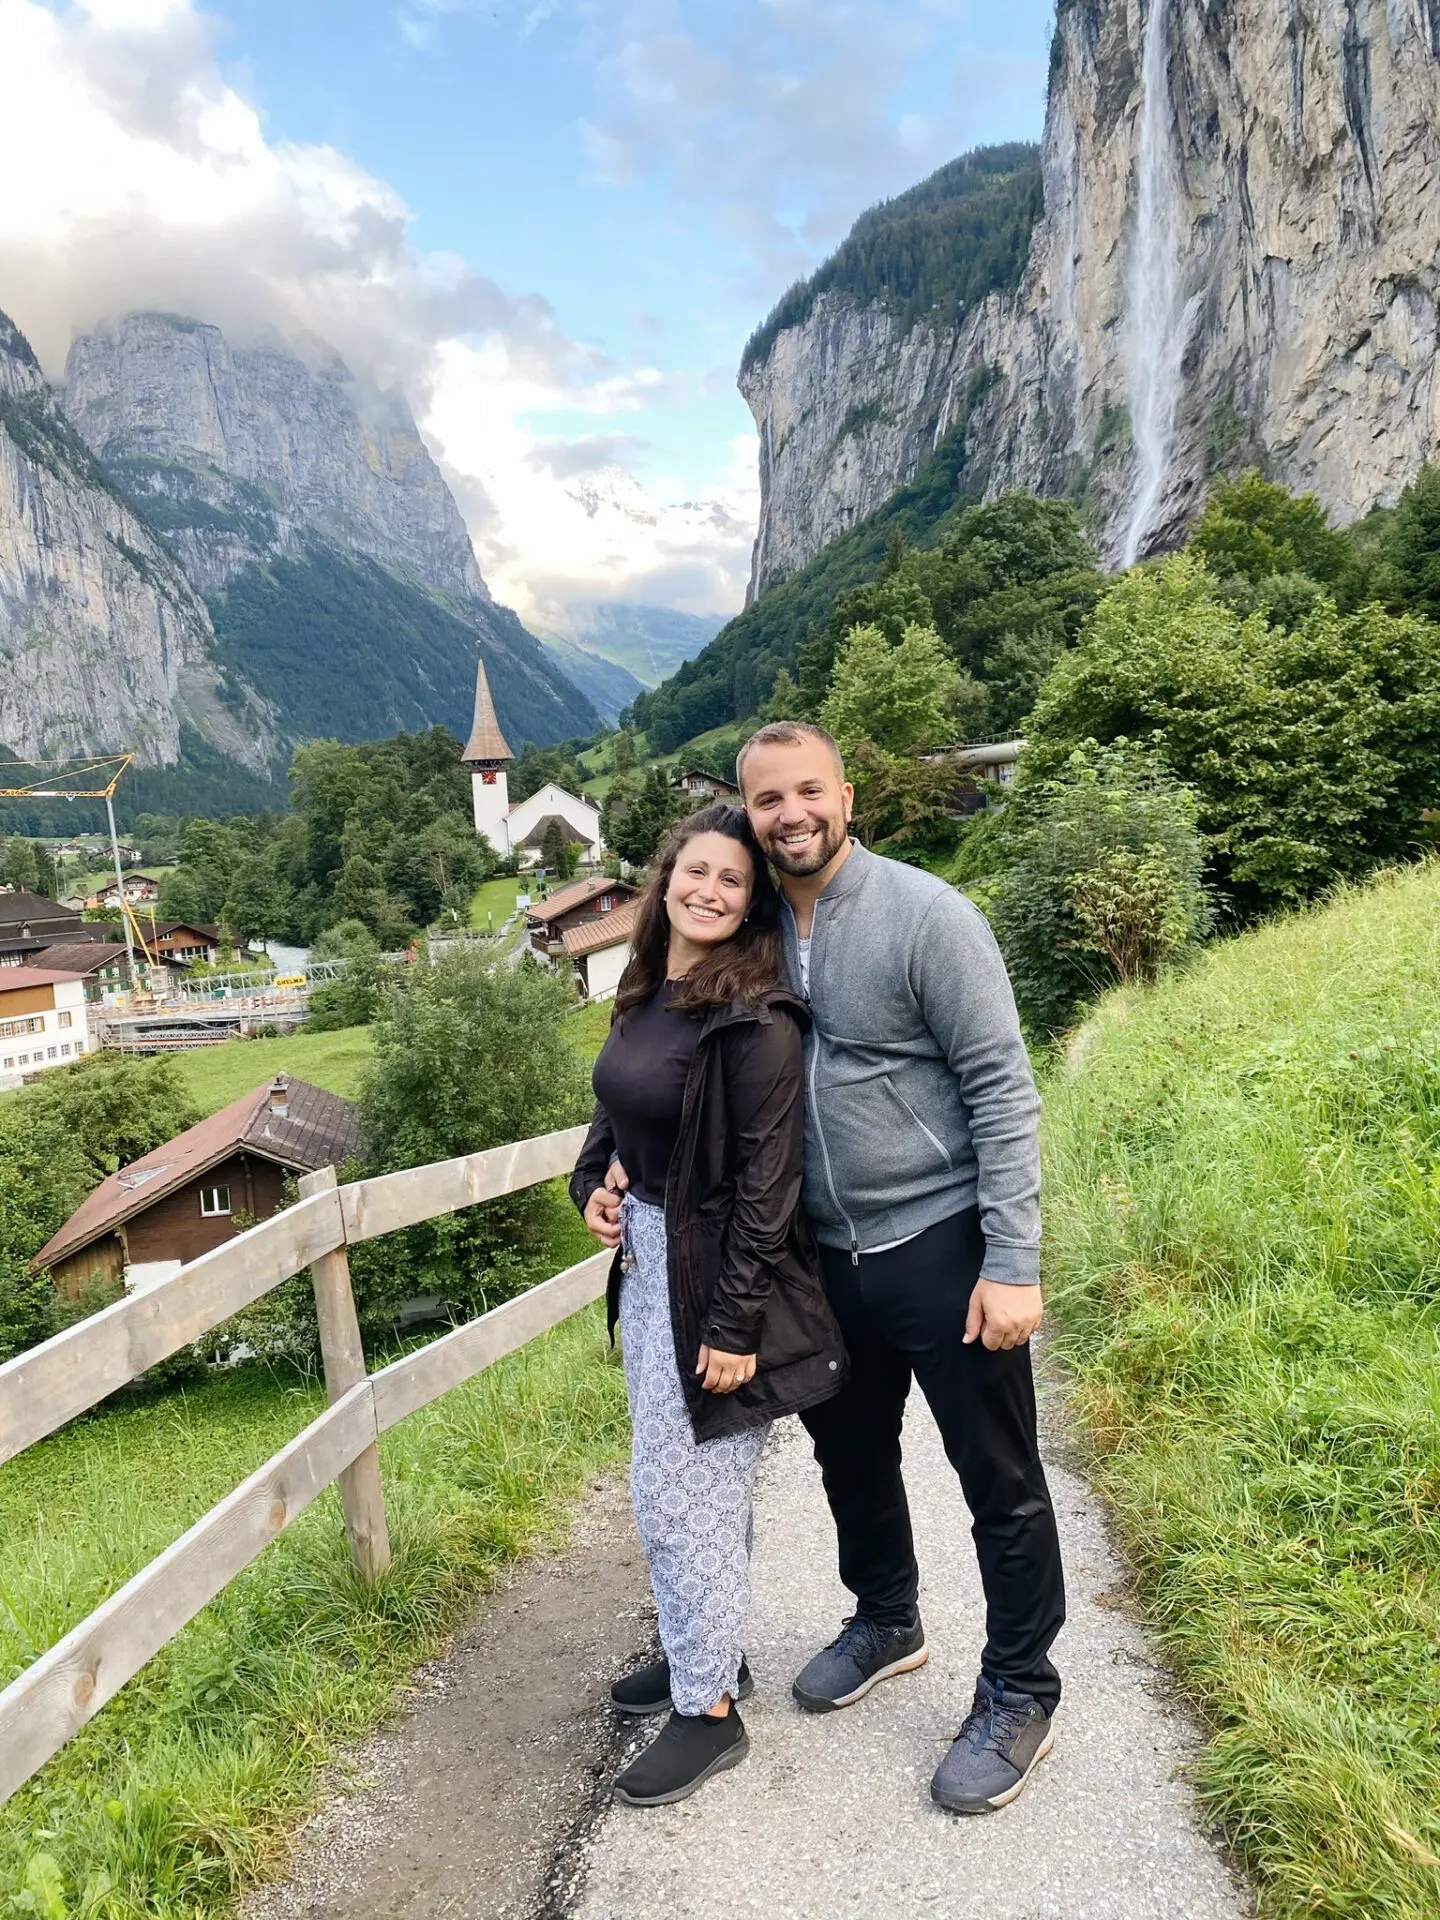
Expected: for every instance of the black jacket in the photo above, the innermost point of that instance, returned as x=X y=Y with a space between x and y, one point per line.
x=743 y=1270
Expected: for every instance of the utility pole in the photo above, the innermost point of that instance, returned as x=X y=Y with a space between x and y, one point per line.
x=120 y=893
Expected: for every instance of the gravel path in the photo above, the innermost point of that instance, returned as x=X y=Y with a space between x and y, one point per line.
x=830 y=1817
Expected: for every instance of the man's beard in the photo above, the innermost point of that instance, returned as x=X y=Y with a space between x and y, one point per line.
x=833 y=836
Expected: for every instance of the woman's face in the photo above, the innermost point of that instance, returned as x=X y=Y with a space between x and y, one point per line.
x=710 y=888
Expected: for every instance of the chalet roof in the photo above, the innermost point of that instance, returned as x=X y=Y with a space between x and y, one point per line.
x=579 y=893
x=85 y=956
x=16 y=909
x=605 y=930
x=318 y=1129
x=14 y=979
x=486 y=741
x=702 y=773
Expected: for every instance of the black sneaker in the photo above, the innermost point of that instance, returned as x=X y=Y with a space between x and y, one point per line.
x=1005 y=1736
x=863 y=1655
x=648 y=1690
x=689 y=1749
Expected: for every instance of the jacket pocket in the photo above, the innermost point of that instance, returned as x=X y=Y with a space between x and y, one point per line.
x=941 y=1150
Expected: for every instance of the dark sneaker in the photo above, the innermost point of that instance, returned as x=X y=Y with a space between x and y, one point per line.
x=648 y=1690
x=864 y=1654
x=689 y=1749
x=1004 y=1736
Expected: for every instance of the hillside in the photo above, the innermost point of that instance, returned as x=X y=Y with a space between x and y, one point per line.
x=1243 y=1257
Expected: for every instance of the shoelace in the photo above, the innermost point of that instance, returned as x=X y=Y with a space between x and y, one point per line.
x=857 y=1632
x=994 y=1721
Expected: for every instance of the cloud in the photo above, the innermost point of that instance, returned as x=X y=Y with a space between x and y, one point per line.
x=150 y=183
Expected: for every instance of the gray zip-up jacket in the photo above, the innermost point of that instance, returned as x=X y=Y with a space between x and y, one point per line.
x=919 y=1096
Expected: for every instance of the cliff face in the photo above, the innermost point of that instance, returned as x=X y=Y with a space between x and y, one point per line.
x=279 y=442
x=1237 y=264
x=104 y=645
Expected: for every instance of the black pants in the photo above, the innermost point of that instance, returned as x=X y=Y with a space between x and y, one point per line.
x=903 y=1313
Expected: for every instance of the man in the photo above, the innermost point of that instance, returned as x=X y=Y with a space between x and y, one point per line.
x=922 y=1180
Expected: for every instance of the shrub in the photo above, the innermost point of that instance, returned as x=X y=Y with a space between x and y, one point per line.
x=1104 y=885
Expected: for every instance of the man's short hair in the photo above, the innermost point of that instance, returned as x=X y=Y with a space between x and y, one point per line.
x=788 y=733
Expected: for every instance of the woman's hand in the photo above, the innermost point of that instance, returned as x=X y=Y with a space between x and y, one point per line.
x=724 y=1372
x=602 y=1216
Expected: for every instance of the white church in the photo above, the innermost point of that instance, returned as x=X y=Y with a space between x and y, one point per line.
x=519 y=830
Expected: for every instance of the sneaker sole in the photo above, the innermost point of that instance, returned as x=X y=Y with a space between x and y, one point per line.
x=639 y=1710
x=817 y=1703
x=954 y=1804
x=720 y=1764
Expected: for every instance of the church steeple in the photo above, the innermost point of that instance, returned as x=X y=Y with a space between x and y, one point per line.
x=486 y=745
x=485 y=754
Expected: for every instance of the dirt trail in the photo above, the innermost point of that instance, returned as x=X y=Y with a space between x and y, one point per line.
x=492 y=1797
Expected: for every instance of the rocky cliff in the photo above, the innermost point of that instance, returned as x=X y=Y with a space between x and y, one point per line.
x=1238 y=262
x=243 y=541
x=104 y=644
x=281 y=443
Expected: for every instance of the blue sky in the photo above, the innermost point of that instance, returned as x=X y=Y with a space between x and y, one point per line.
x=555 y=221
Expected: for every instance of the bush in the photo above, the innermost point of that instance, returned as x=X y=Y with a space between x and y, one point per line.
x=1104 y=885
x=469 y=1053
x=1311 y=753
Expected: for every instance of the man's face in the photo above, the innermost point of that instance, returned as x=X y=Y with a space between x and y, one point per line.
x=798 y=803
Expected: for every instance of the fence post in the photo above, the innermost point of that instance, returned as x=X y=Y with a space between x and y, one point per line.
x=344 y=1356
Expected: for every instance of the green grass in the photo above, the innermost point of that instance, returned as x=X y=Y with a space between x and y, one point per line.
x=496 y=898
x=1243 y=1224
x=589 y=1024
x=186 y=1786
x=217 y=1075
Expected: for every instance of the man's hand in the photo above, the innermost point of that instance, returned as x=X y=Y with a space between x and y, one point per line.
x=1002 y=1316
x=602 y=1216
x=724 y=1372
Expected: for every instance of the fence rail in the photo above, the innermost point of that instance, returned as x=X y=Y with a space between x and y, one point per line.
x=43 y=1389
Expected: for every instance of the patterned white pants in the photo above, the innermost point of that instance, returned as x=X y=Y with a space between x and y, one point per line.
x=693 y=1500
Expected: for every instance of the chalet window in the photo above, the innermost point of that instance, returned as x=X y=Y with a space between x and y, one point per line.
x=214 y=1200
x=605 y=902
x=64 y=1020
x=10 y=1062
x=65 y=1051
x=52 y=1053
x=10 y=1028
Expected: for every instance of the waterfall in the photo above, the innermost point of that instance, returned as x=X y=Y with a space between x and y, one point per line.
x=1155 y=311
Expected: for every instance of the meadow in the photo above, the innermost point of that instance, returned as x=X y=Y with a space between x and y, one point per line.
x=1243 y=1233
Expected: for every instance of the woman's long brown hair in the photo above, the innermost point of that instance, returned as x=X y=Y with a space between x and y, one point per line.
x=746 y=967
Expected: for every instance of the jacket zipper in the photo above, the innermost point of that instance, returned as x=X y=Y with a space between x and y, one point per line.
x=815 y=1105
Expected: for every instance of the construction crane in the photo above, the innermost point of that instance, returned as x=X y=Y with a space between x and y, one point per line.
x=102 y=775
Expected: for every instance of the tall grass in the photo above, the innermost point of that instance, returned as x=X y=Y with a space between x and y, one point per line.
x=1243 y=1222
x=176 y=1793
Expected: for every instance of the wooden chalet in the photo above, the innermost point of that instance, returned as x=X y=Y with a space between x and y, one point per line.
x=584 y=903
x=201 y=1188
x=700 y=786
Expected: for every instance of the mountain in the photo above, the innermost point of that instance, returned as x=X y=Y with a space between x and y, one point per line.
x=104 y=643
x=301 y=502
x=608 y=687
x=1225 y=254
x=649 y=642
x=1236 y=264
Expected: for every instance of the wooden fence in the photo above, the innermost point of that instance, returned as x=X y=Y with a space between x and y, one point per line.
x=42 y=1389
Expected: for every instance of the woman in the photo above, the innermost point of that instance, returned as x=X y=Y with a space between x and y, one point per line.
x=722 y=1318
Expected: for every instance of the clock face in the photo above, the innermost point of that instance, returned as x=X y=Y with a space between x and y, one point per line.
x=488 y=777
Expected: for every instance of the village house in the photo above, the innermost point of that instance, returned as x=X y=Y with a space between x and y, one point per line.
x=138 y=889
x=201 y=1188
x=102 y=964
x=598 y=949
x=584 y=903
x=699 y=785
x=520 y=829
x=44 y=1021
x=181 y=943
x=28 y=922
